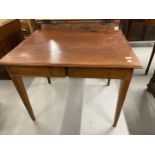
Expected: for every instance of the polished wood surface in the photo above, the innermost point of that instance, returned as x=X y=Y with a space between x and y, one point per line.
x=75 y=54
x=108 y=49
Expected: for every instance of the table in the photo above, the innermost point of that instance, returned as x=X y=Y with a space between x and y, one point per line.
x=77 y=54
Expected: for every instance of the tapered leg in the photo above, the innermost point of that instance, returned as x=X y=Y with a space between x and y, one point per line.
x=108 y=83
x=23 y=94
x=121 y=97
x=49 y=80
x=150 y=61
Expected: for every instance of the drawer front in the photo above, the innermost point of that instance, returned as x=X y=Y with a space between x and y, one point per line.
x=37 y=71
x=77 y=72
x=57 y=71
x=113 y=73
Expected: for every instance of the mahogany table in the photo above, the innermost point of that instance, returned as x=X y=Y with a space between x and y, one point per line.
x=75 y=54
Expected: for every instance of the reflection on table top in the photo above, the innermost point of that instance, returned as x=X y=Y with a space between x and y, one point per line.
x=108 y=48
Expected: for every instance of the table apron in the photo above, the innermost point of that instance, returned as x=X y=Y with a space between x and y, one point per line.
x=36 y=71
x=75 y=72
x=110 y=73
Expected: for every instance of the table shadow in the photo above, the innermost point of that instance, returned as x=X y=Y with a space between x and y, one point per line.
x=71 y=123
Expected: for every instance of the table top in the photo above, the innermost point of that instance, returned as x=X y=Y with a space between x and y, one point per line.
x=108 y=49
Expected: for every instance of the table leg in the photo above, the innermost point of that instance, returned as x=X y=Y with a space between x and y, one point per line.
x=23 y=94
x=49 y=80
x=150 y=61
x=151 y=85
x=108 y=83
x=121 y=97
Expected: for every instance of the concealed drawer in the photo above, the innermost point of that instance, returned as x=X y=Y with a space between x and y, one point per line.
x=115 y=73
x=37 y=71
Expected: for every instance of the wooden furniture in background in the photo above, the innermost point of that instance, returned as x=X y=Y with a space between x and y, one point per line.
x=142 y=29
x=75 y=54
x=150 y=60
x=10 y=36
x=147 y=32
x=78 y=24
x=151 y=85
x=138 y=29
x=27 y=26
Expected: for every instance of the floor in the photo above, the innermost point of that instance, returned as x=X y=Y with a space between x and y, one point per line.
x=79 y=106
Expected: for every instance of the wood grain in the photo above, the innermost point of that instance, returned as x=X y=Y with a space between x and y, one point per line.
x=36 y=71
x=110 y=73
x=106 y=49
